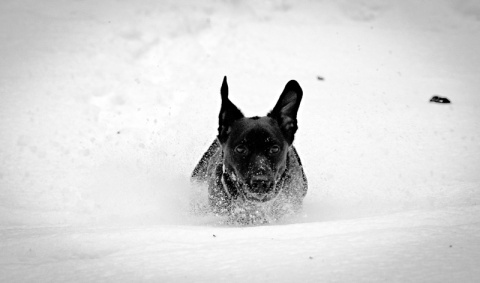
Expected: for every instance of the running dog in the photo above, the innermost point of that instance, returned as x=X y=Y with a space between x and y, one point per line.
x=252 y=170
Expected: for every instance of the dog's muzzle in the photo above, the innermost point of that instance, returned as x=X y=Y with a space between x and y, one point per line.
x=259 y=188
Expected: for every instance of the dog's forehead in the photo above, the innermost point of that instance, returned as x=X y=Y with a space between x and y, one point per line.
x=256 y=129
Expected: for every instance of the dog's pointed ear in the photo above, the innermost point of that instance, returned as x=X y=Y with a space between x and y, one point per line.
x=285 y=111
x=228 y=113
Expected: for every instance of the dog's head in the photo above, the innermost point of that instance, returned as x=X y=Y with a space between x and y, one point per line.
x=255 y=149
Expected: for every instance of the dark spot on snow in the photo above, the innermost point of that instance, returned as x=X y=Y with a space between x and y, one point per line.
x=320 y=78
x=439 y=99
x=214 y=236
x=118 y=132
x=450 y=246
x=310 y=257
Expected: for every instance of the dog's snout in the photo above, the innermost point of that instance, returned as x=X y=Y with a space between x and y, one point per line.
x=260 y=184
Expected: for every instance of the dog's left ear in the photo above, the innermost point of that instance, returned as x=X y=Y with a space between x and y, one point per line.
x=285 y=111
x=228 y=113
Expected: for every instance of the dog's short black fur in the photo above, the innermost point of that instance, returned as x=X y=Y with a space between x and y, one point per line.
x=252 y=166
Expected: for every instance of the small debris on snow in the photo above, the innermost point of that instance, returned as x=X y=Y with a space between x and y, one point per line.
x=439 y=99
x=320 y=78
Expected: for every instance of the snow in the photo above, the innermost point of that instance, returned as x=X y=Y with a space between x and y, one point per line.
x=105 y=108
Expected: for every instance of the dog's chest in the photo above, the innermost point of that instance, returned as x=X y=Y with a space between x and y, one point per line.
x=223 y=194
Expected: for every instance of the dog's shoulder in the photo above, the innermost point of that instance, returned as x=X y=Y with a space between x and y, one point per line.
x=208 y=163
x=296 y=180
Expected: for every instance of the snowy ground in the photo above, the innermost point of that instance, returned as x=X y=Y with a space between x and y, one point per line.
x=105 y=108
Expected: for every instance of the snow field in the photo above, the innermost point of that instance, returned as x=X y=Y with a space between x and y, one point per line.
x=105 y=108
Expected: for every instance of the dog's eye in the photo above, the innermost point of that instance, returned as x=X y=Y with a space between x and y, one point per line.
x=274 y=149
x=241 y=149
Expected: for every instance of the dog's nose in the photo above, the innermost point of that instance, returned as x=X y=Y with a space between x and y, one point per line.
x=260 y=184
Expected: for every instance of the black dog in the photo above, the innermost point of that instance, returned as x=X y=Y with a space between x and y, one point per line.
x=252 y=170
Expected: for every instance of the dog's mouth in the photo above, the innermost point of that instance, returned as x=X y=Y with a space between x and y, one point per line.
x=257 y=189
x=258 y=197
x=260 y=191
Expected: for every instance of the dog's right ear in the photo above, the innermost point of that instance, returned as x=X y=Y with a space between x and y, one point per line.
x=228 y=113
